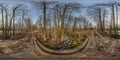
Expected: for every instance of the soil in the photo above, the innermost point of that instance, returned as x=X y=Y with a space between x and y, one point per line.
x=96 y=49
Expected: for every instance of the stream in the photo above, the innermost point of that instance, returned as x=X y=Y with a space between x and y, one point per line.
x=64 y=45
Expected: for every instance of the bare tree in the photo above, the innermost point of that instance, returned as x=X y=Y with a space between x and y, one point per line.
x=14 y=11
x=2 y=23
x=99 y=14
x=28 y=24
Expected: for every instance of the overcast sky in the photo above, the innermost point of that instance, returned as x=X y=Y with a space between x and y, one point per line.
x=34 y=13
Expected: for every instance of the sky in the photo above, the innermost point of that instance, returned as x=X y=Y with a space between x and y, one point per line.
x=33 y=12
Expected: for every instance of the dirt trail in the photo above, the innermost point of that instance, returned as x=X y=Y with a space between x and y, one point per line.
x=27 y=53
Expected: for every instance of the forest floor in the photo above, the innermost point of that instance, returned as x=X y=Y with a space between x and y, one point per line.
x=90 y=51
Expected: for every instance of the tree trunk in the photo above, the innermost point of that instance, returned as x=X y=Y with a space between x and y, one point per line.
x=55 y=34
x=6 y=22
x=14 y=22
x=100 y=20
x=3 y=24
x=74 y=26
x=44 y=28
x=117 y=20
x=62 y=27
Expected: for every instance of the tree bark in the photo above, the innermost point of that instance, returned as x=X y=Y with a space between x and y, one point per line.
x=44 y=12
x=3 y=23
x=62 y=26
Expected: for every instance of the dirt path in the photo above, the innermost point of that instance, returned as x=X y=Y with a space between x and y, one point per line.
x=27 y=53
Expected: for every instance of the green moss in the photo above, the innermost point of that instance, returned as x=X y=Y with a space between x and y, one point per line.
x=40 y=38
x=76 y=41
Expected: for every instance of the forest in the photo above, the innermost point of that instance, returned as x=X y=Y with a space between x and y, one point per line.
x=59 y=29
